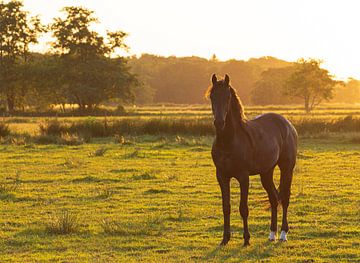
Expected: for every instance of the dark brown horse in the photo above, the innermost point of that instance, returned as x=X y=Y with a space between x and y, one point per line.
x=243 y=148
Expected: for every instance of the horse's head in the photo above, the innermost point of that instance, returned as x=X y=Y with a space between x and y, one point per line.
x=220 y=96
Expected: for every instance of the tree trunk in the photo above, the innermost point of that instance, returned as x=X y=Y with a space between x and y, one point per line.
x=307 y=105
x=10 y=102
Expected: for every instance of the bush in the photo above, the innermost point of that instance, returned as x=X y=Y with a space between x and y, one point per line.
x=4 y=129
x=52 y=127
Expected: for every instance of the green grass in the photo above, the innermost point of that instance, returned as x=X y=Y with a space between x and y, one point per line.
x=156 y=199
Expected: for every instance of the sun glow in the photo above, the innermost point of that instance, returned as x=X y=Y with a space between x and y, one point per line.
x=233 y=29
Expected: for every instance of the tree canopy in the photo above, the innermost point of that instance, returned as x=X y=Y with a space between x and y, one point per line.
x=17 y=32
x=311 y=83
x=88 y=73
x=268 y=89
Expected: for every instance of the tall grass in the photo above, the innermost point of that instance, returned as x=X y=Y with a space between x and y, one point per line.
x=133 y=126
x=63 y=222
x=315 y=125
x=183 y=126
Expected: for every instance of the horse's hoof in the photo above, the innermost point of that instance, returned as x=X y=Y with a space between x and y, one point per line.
x=283 y=237
x=272 y=236
x=246 y=243
x=224 y=242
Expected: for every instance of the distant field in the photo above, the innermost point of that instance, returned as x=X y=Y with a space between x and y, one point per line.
x=327 y=110
x=325 y=113
x=156 y=199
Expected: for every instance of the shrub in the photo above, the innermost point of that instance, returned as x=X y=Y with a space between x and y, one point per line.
x=4 y=129
x=52 y=127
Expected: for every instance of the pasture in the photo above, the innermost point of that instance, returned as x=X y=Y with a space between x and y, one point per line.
x=155 y=198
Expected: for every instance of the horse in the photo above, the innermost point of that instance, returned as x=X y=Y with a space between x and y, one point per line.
x=245 y=147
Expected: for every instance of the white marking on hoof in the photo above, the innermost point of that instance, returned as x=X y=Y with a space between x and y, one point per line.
x=283 y=236
x=272 y=236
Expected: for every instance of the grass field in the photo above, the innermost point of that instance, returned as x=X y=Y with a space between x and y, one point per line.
x=155 y=198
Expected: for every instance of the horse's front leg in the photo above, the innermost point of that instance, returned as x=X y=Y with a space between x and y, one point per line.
x=244 y=210
x=224 y=183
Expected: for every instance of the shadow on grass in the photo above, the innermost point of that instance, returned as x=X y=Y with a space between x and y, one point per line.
x=41 y=232
x=157 y=191
x=125 y=170
x=38 y=231
x=7 y=197
x=92 y=179
x=257 y=252
x=150 y=226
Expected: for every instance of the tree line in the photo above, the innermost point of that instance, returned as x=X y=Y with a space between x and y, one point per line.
x=259 y=81
x=82 y=68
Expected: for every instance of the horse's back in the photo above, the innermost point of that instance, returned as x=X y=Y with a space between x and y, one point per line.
x=274 y=125
x=273 y=122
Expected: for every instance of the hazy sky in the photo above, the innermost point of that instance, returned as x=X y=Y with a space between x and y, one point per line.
x=287 y=29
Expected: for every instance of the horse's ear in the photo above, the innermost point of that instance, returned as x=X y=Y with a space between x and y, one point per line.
x=227 y=79
x=214 y=79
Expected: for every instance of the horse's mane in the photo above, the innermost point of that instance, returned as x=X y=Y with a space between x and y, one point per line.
x=237 y=106
x=208 y=92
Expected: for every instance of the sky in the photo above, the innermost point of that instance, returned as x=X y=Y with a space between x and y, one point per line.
x=240 y=29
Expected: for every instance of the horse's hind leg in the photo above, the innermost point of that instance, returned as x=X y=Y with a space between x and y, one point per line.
x=268 y=184
x=285 y=187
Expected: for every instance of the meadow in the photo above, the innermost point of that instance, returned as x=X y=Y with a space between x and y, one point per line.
x=155 y=198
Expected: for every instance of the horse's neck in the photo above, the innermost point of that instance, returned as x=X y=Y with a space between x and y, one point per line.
x=234 y=126
x=226 y=136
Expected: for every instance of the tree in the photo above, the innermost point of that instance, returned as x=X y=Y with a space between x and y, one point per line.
x=310 y=83
x=17 y=32
x=268 y=89
x=88 y=72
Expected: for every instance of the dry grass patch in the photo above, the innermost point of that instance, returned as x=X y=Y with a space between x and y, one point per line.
x=62 y=223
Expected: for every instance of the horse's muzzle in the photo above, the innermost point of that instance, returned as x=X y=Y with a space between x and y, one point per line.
x=219 y=125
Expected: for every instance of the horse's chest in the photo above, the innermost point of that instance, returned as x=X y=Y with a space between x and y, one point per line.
x=225 y=163
x=228 y=161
